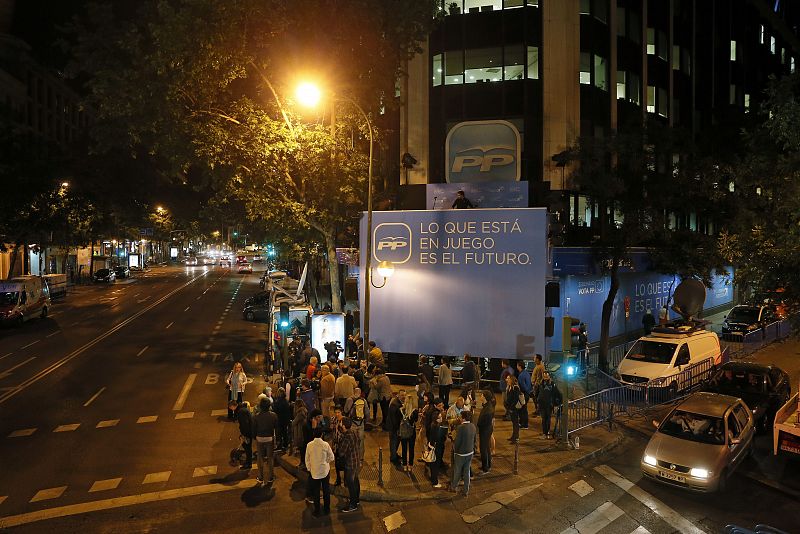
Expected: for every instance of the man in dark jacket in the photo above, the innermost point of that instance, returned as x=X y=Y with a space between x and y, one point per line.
x=284 y=412
x=485 y=430
x=348 y=451
x=463 y=451
x=549 y=396
x=245 y=418
x=264 y=433
x=526 y=387
x=469 y=377
x=426 y=368
x=393 y=419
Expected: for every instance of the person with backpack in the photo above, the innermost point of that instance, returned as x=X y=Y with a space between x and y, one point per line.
x=357 y=410
x=393 y=420
x=245 y=418
x=549 y=396
x=513 y=403
x=408 y=431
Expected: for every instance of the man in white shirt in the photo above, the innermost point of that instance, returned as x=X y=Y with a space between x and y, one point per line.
x=319 y=456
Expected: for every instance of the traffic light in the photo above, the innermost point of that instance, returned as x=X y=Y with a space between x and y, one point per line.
x=569 y=333
x=283 y=316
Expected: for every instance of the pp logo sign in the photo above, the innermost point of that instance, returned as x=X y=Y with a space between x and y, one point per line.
x=392 y=242
x=482 y=151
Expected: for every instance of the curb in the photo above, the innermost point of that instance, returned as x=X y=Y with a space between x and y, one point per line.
x=771 y=484
x=391 y=496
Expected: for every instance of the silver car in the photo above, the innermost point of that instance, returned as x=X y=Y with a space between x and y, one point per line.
x=700 y=443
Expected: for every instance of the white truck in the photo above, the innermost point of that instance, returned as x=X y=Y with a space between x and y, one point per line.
x=23 y=298
x=786 y=428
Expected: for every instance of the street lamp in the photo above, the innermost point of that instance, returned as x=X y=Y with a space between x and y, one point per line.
x=386 y=270
x=309 y=94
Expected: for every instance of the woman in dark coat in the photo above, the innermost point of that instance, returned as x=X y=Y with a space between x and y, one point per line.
x=485 y=430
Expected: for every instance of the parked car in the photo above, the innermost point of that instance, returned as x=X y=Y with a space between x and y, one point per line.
x=744 y=319
x=258 y=298
x=665 y=352
x=224 y=261
x=244 y=268
x=122 y=271
x=104 y=275
x=700 y=443
x=257 y=312
x=23 y=298
x=765 y=388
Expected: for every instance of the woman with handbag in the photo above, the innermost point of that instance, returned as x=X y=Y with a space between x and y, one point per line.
x=437 y=432
x=513 y=404
x=235 y=384
x=408 y=431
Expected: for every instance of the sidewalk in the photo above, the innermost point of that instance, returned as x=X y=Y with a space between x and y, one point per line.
x=537 y=458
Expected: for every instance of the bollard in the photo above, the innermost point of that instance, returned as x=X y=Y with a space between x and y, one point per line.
x=380 y=466
x=516 y=457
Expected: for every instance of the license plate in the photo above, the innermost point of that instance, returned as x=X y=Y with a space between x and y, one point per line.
x=671 y=476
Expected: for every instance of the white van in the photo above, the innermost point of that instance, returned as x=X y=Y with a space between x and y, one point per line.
x=23 y=298
x=667 y=351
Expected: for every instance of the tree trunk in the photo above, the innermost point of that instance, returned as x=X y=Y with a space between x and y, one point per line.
x=91 y=262
x=605 y=322
x=333 y=269
x=64 y=261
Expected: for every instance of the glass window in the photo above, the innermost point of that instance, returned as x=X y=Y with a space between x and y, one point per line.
x=662 y=45
x=482 y=65
x=514 y=63
x=437 y=70
x=651 y=352
x=510 y=4
x=601 y=10
x=746 y=102
x=634 y=88
x=651 y=99
x=676 y=57
x=791 y=65
x=634 y=27
x=476 y=6
x=621 y=22
x=621 y=84
x=453 y=67
x=601 y=73
x=533 y=63
x=585 y=74
x=772 y=44
x=783 y=56
x=733 y=50
x=761 y=34
x=663 y=103
x=732 y=98
x=651 y=41
x=586 y=7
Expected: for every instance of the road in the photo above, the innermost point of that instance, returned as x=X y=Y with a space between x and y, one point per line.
x=112 y=418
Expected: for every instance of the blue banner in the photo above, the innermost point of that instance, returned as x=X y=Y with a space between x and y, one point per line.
x=465 y=281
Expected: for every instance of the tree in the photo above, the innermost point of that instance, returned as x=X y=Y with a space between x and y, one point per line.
x=639 y=184
x=204 y=80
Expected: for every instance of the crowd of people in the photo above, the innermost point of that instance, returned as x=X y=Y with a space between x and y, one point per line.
x=322 y=410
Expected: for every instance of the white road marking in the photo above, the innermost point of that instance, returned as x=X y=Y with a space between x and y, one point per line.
x=582 y=488
x=107 y=423
x=394 y=521
x=142 y=351
x=170 y=324
x=105 y=485
x=88 y=402
x=216 y=413
x=184 y=415
x=494 y=503
x=53 y=333
x=77 y=352
x=206 y=347
x=6 y=356
x=119 y=502
x=640 y=530
x=662 y=510
x=147 y=419
x=67 y=428
x=198 y=365
x=11 y=370
x=217 y=327
x=186 y=308
x=152 y=478
x=184 y=392
x=198 y=298
x=203 y=471
x=47 y=494
x=597 y=520
x=30 y=344
x=22 y=433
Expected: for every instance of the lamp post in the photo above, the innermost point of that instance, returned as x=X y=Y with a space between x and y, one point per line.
x=309 y=95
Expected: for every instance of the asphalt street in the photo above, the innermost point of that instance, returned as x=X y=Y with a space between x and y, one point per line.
x=112 y=418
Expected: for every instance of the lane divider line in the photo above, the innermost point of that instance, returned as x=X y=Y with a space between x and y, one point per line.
x=77 y=352
x=170 y=324
x=142 y=351
x=6 y=373
x=30 y=344
x=184 y=393
x=102 y=389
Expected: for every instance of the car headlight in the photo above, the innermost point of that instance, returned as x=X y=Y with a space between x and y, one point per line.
x=699 y=473
x=649 y=460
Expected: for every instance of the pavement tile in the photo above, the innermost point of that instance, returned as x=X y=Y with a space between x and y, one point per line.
x=152 y=478
x=582 y=488
x=22 y=433
x=105 y=485
x=67 y=428
x=184 y=415
x=49 y=493
x=204 y=471
x=215 y=413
